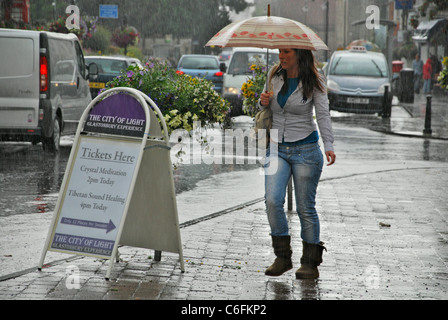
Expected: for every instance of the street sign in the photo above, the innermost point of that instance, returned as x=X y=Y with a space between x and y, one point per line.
x=109 y=11
x=118 y=188
x=404 y=4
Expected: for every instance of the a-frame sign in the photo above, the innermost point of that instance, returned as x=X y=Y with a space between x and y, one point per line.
x=118 y=187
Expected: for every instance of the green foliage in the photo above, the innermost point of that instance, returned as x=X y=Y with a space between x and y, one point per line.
x=443 y=77
x=181 y=98
x=252 y=89
x=99 y=41
x=429 y=8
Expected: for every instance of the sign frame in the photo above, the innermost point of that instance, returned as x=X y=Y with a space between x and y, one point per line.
x=141 y=212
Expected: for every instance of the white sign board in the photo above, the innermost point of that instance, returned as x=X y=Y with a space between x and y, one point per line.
x=95 y=197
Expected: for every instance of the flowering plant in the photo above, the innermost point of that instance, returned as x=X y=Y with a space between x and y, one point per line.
x=182 y=99
x=443 y=77
x=87 y=27
x=252 y=89
x=58 y=26
x=124 y=37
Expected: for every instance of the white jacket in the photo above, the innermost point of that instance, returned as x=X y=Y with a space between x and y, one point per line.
x=295 y=120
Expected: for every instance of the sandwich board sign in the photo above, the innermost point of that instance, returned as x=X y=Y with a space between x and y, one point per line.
x=118 y=187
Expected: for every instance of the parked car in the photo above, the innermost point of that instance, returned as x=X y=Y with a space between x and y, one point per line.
x=239 y=71
x=357 y=81
x=109 y=67
x=203 y=66
x=43 y=86
x=225 y=55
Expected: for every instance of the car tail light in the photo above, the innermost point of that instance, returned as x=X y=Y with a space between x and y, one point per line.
x=43 y=73
x=180 y=72
x=219 y=74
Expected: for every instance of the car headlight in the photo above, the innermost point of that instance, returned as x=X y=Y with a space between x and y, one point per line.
x=332 y=85
x=382 y=89
x=231 y=90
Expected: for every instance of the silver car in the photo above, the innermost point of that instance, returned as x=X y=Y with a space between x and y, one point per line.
x=44 y=86
x=357 y=82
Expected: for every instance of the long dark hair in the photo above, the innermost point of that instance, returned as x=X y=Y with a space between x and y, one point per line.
x=308 y=73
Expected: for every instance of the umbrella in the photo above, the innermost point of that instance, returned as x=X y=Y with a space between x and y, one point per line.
x=269 y=32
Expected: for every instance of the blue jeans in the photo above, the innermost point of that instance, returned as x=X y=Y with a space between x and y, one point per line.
x=304 y=163
x=417 y=81
x=427 y=86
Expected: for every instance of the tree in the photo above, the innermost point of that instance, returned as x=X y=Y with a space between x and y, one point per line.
x=430 y=8
x=196 y=19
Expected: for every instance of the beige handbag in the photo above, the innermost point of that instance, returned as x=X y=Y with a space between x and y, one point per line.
x=263 y=121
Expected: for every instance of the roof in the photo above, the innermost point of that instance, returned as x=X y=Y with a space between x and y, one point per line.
x=354 y=53
x=112 y=57
x=66 y=36
x=428 y=29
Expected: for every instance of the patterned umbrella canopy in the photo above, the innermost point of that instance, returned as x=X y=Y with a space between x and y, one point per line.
x=269 y=32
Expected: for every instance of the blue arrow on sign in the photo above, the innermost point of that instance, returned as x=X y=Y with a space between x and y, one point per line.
x=89 y=224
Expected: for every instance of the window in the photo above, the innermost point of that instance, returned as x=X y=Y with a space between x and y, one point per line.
x=80 y=60
x=18 y=52
x=203 y=63
x=359 y=65
x=62 y=60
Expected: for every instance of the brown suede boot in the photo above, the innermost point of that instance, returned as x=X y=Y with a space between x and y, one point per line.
x=282 y=250
x=311 y=259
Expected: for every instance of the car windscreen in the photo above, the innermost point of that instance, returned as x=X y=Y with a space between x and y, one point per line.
x=111 y=66
x=359 y=65
x=241 y=61
x=202 y=63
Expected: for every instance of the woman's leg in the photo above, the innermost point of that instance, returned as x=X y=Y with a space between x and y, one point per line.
x=276 y=182
x=307 y=169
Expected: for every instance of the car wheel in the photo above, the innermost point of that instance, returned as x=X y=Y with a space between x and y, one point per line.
x=52 y=143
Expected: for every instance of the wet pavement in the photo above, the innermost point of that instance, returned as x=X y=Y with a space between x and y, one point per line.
x=409 y=119
x=383 y=221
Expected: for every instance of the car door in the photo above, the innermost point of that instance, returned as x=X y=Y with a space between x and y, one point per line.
x=83 y=95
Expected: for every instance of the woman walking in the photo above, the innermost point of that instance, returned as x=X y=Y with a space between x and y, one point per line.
x=297 y=86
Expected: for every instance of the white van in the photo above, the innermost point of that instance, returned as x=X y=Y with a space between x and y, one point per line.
x=43 y=86
x=238 y=72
